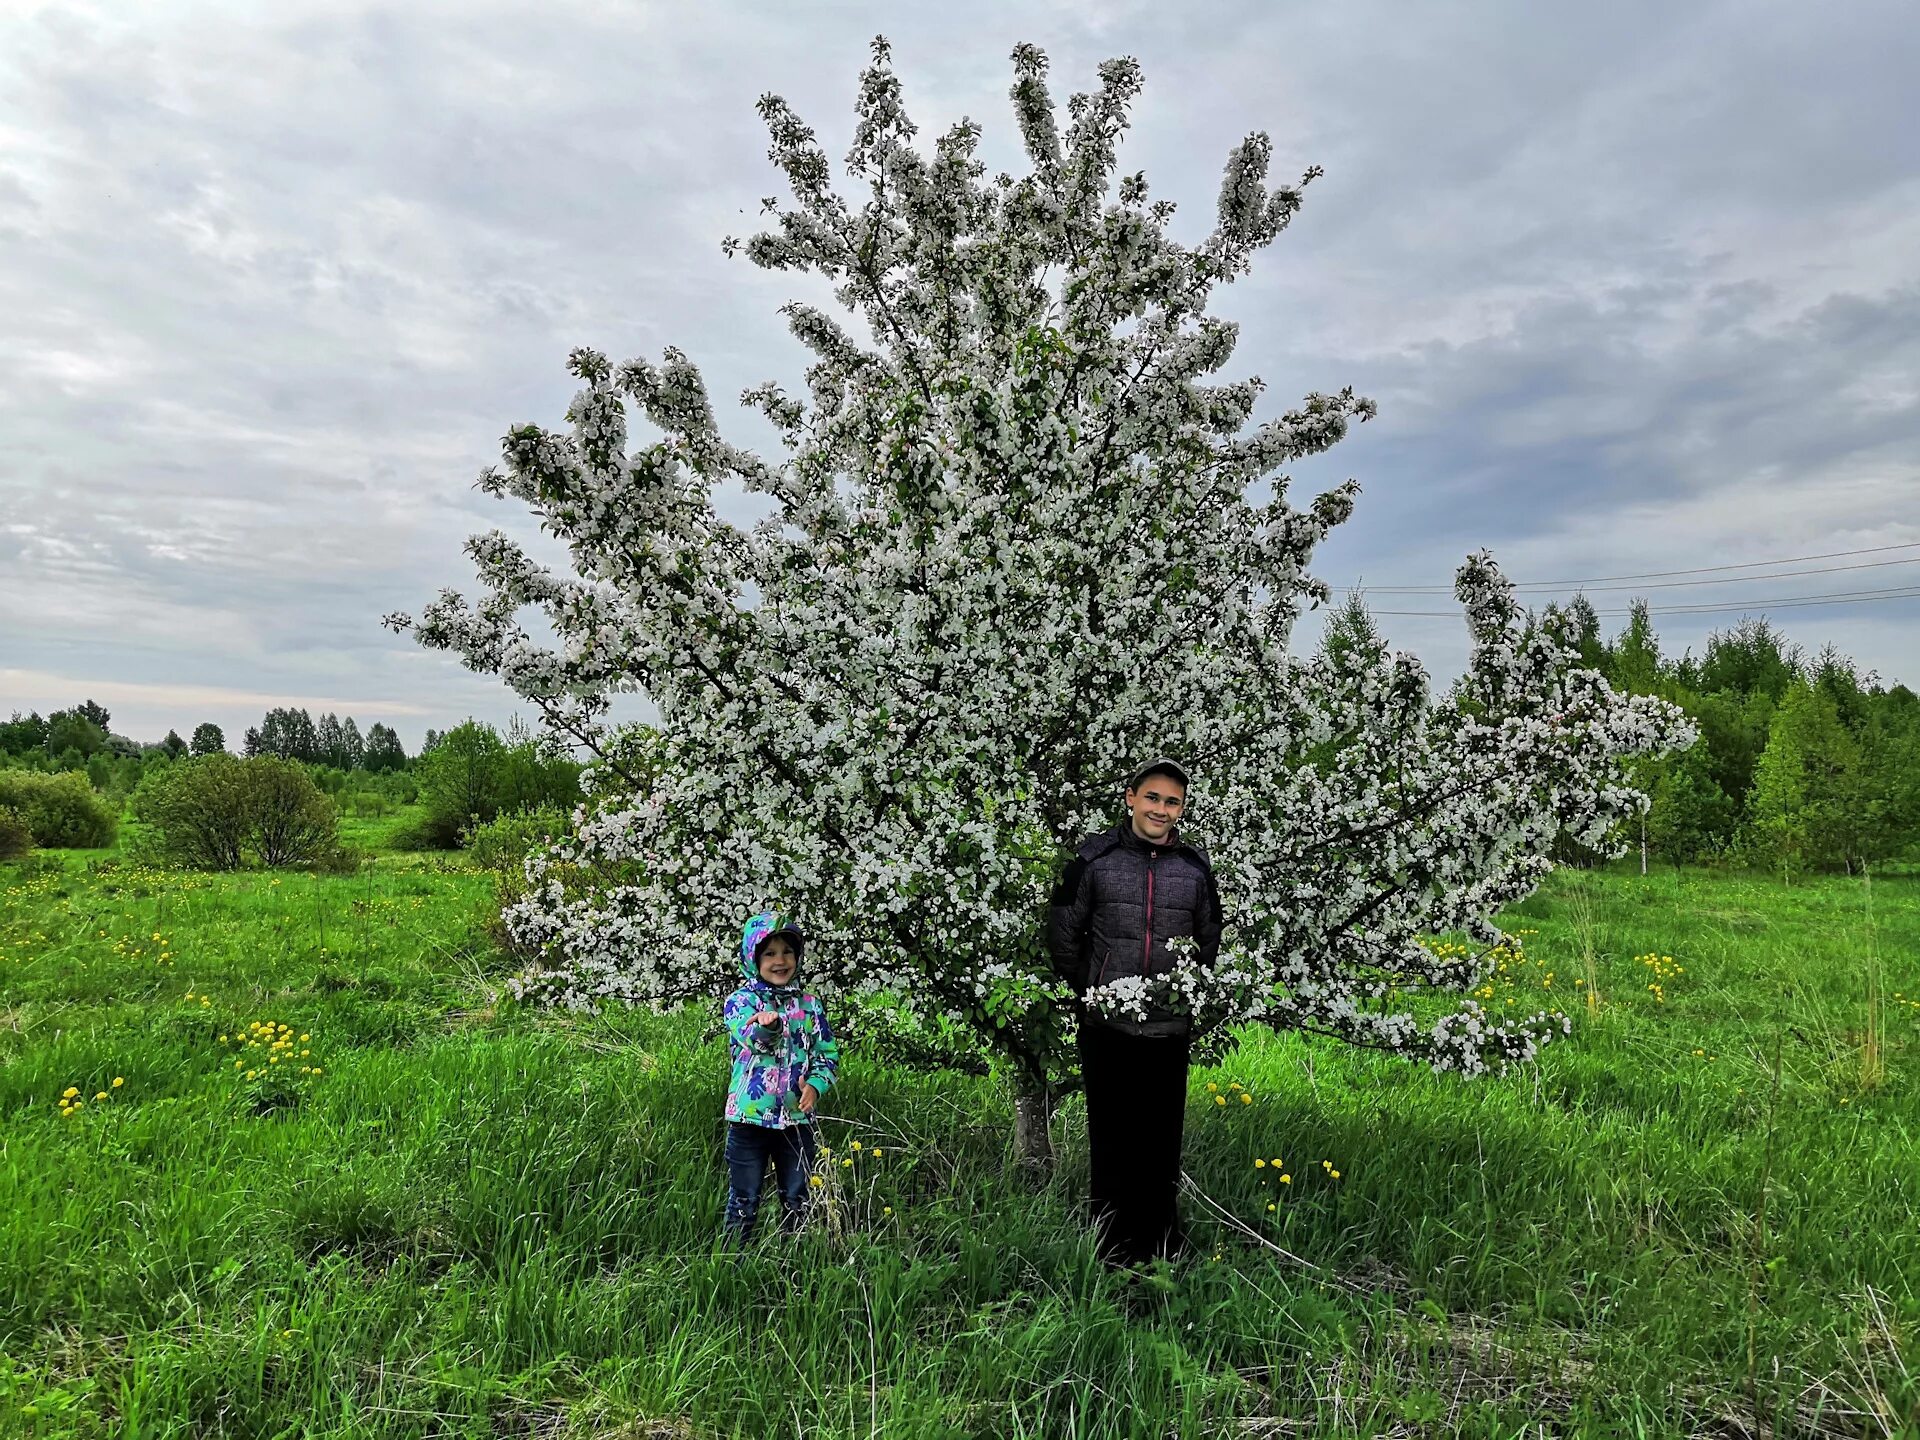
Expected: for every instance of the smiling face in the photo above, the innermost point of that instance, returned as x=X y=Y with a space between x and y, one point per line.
x=777 y=960
x=1156 y=805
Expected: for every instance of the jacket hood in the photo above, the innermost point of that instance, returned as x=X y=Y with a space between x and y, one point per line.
x=760 y=928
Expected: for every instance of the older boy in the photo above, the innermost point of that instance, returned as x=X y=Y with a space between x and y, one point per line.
x=1126 y=892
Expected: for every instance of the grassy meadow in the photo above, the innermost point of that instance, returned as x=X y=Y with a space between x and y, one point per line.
x=411 y=1208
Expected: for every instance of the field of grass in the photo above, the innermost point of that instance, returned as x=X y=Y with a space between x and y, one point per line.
x=439 y=1214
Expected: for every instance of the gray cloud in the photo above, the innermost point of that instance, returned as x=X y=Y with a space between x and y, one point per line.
x=1634 y=287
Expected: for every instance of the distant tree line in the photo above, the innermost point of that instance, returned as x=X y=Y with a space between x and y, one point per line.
x=295 y=735
x=66 y=778
x=72 y=739
x=1803 y=762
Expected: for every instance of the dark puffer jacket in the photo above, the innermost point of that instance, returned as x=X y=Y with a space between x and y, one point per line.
x=1119 y=902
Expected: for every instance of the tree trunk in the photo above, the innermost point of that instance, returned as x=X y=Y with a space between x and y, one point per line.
x=1033 y=1111
x=1643 y=847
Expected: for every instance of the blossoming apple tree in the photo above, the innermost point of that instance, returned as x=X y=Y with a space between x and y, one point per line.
x=1017 y=539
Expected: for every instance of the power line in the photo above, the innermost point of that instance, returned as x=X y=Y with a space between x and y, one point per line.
x=1661 y=575
x=1749 y=565
x=1663 y=585
x=1840 y=597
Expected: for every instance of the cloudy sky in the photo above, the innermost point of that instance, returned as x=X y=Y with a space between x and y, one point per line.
x=1636 y=287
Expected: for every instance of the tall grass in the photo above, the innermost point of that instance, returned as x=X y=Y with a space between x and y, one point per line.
x=477 y=1220
x=1873 y=1040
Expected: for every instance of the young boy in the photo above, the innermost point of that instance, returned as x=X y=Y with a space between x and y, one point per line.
x=784 y=1060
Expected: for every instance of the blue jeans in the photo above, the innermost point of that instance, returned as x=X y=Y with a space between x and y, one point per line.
x=749 y=1147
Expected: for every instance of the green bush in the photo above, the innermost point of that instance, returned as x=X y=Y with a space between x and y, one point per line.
x=16 y=839
x=338 y=860
x=472 y=775
x=293 y=821
x=217 y=812
x=426 y=832
x=365 y=803
x=198 y=811
x=60 y=811
x=501 y=844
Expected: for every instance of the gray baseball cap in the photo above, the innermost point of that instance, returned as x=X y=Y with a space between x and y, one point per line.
x=1163 y=765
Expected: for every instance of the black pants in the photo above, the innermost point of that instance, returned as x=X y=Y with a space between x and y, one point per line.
x=1136 y=1108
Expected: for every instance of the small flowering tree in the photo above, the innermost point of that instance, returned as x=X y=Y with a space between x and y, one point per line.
x=1016 y=542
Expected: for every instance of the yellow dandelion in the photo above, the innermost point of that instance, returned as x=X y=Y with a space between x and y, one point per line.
x=100 y=1095
x=856 y=1147
x=1269 y=1207
x=1286 y=1179
x=1245 y=1098
x=1259 y=1164
x=1211 y=1087
x=886 y=1209
x=118 y=1081
x=69 y=1092
x=815 y=1180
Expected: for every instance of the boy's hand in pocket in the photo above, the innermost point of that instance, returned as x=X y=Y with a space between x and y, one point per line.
x=809 y=1099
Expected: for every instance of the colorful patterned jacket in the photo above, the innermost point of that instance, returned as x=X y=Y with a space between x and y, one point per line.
x=772 y=1062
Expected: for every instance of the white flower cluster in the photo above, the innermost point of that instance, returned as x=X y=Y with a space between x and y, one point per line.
x=1012 y=551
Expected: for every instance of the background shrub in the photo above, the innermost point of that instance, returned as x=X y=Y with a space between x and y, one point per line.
x=338 y=859
x=60 y=811
x=427 y=832
x=472 y=775
x=291 y=820
x=198 y=811
x=15 y=838
x=216 y=812
x=501 y=844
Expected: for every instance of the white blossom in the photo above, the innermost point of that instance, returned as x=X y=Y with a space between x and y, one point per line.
x=1012 y=552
